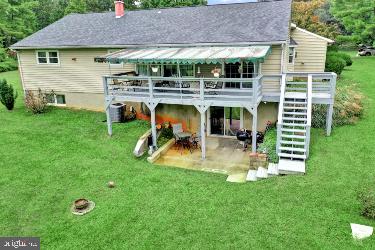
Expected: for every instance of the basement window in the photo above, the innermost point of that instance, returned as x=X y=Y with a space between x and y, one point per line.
x=48 y=57
x=56 y=100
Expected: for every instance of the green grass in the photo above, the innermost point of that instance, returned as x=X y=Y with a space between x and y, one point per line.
x=49 y=160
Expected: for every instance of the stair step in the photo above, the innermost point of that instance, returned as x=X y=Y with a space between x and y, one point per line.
x=291 y=167
x=292 y=142
x=288 y=107
x=293 y=136
x=294 y=124
x=292 y=156
x=295 y=102
x=293 y=130
x=293 y=149
x=294 y=118
x=295 y=113
x=295 y=95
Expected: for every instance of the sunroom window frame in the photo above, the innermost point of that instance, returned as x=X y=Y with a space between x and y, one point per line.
x=48 y=57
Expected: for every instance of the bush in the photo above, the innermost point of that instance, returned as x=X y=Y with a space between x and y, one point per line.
x=269 y=145
x=367 y=199
x=335 y=64
x=348 y=60
x=8 y=95
x=348 y=108
x=8 y=65
x=36 y=103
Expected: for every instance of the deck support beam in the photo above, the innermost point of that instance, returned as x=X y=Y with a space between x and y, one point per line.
x=329 y=118
x=202 y=110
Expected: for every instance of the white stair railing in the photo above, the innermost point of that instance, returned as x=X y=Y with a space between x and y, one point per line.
x=309 y=111
x=281 y=110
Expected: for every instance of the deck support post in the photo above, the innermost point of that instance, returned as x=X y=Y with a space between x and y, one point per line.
x=108 y=102
x=329 y=119
x=152 y=108
x=254 y=131
x=254 y=112
x=202 y=110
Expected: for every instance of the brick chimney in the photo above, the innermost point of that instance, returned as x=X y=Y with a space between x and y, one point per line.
x=119 y=8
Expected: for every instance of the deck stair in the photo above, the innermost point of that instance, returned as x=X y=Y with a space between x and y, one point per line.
x=293 y=127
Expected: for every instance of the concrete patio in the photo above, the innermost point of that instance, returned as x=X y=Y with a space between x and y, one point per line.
x=223 y=155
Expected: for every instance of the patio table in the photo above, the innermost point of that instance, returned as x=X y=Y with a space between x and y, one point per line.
x=184 y=140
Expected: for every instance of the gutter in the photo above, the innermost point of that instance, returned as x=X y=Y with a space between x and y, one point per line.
x=149 y=45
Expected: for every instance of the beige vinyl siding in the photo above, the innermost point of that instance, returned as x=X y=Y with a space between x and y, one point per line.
x=311 y=52
x=272 y=66
x=81 y=75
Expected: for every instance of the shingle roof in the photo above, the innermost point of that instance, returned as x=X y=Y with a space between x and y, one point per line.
x=231 y=23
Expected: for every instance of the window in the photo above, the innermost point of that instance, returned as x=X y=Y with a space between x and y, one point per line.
x=54 y=99
x=166 y=70
x=115 y=64
x=291 y=54
x=142 y=69
x=187 y=70
x=233 y=70
x=47 y=57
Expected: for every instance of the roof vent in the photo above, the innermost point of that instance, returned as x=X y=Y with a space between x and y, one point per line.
x=119 y=9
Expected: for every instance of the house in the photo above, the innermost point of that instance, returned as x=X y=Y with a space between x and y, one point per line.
x=215 y=69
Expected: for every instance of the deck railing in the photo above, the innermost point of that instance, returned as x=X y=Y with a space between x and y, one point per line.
x=185 y=88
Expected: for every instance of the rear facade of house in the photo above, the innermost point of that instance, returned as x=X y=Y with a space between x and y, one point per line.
x=61 y=58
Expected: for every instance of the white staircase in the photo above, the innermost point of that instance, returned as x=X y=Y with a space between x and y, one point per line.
x=293 y=127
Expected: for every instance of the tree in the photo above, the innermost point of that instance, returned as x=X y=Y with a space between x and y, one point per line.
x=315 y=17
x=357 y=19
x=17 y=20
x=76 y=6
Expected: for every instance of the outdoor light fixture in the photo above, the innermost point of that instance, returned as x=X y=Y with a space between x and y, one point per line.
x=199 y=70
x=216 y=72
x=155 y=69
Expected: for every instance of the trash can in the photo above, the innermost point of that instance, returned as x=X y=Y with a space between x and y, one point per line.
x=117 y=112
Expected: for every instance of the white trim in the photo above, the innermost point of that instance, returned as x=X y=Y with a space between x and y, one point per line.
x=152 y=45
x=315 y=35
x=21 y=73
x=282 y=59
x=47 y=58
x=55 y=103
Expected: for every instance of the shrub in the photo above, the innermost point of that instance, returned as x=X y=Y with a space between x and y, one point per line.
x=335 y=64
x=166 y=133
x=8 y=65
x=367 y=199
x=8 y=95
x=348 y=108
x=36 y=103
x=269 y=145
x=348 y=60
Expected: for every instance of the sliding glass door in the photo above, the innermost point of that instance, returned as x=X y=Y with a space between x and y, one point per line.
x=225 y=121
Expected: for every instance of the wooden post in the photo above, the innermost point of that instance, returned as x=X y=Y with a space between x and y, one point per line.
x=153 y=127
x=107 y=111
x=108 y=101
x=203 y=134
x=254 y=132
x=329 y=119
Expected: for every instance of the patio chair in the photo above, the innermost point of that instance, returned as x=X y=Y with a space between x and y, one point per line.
x=177 y=128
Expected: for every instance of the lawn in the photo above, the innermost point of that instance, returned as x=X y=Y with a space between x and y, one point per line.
x=49 y=160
